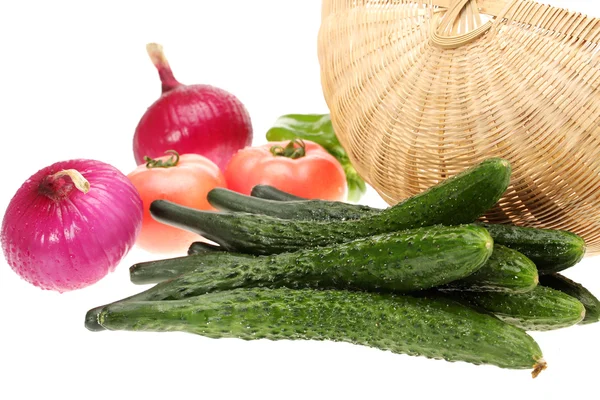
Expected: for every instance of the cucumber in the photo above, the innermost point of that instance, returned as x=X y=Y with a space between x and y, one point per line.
x=402 y=261
x=505 y=271
x=550 y=250
x=311 y=210
x=541 y=309
x=162 y=270
x=398 y=262
x=203 y=247
x=458 y=200
x=272 y=193
x=433 y=328
x=170 y=268
x=574 y=289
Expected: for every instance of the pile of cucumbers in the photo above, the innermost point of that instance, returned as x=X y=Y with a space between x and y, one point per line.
x=424 y=277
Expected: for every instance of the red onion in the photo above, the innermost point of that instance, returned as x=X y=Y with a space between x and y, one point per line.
x=70 y=224
x=197 y=119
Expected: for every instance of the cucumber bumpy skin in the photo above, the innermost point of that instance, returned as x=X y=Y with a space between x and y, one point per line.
x=405 y=261
x=550 y=250
x=576 y=290
x=505 y=271
x=170 y=268
x=309 y=210
x=541 y=309
x=396 y=262
x=268 y=192
x=434 y=328
x=457 y=200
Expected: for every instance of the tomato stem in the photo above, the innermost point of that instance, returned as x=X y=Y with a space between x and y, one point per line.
x=56 y=187
x=155 y=51
x=171 y=162
x=290 y=150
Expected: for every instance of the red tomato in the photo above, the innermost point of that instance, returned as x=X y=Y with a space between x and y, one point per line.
x=186 y=183
x=316 y=175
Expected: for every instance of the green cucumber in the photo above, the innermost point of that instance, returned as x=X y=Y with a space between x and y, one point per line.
x=399 y=262
x=457 y=200
x=156 y=271
x=402 y=261
x=433 y=328
x=203 y=247
x=162 y=270
x=170 y=268
x=272 y=193
x=312 y=210
x=505 y=271
x=550 y=250
x=406 y=261
x=541 y=309
x=574 y=289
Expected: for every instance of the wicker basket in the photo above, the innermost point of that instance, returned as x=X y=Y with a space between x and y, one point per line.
x=419 y=91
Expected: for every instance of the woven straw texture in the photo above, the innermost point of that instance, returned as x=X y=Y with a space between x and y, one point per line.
x=419 y=91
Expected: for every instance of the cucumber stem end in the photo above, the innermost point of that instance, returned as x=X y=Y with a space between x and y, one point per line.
x=91 y=320
x=539 y=367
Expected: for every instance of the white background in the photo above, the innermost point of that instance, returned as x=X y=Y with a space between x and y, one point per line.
x=75 y=79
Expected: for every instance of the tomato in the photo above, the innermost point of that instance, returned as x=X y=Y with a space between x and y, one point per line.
x=186 y=183
x=314 y=174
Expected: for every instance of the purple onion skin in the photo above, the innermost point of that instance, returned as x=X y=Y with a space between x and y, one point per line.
x=198 y=119
x=59 y=238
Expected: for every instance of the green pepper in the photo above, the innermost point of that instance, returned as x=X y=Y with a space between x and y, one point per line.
x=319 y=129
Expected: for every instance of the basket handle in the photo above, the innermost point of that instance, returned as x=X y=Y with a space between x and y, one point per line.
x=490 y=7
x=542 y=16
x=460 y=16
